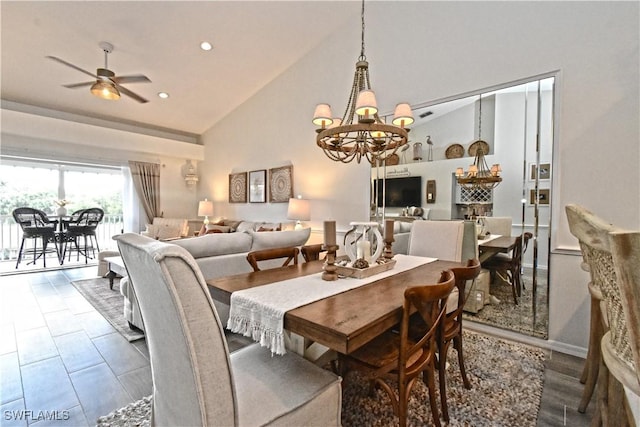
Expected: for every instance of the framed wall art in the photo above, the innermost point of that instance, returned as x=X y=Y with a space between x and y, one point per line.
x=545 y=172
x=543 y=197
x=280 y=184
x=258 y=186
x=238 y=187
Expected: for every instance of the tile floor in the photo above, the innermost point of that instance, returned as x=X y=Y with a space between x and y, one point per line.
x=59 y=358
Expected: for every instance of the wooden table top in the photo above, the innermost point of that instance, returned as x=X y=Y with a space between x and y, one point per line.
x=346 y=321
x=505 y=243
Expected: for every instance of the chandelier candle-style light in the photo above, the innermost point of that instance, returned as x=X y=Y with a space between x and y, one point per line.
x=479 y=174
x=361 y=132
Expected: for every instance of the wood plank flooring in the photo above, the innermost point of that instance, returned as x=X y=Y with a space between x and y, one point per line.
x=58 y=354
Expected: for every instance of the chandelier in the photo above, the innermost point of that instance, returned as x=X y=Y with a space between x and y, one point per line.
x=479 y=175
x=361 y=132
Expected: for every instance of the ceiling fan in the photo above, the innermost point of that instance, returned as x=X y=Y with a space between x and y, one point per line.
x=107 y=84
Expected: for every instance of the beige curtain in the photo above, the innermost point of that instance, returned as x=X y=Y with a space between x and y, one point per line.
x=146 y=180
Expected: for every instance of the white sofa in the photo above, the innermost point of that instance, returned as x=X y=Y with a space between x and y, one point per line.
x=220 y=255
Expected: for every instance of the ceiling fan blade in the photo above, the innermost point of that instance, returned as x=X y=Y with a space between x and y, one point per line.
x=138 y=78
x=130 y=94
x=62 y=61
x=77 y=85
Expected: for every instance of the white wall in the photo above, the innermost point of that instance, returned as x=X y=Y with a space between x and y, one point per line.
x=450 y=48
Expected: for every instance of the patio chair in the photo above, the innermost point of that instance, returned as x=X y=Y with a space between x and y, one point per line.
x=81 y=234
x=196 y=382
x=36 y=225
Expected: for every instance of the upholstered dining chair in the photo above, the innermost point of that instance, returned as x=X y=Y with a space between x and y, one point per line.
x=290 y=254
x=398 y=357
x=437 y=239
x=36 y=225
x=312 y=252
x=196 y=382
x=621 y=344
x=592 y=234
x=451 y=330
x=511 y=265
x=500 y=225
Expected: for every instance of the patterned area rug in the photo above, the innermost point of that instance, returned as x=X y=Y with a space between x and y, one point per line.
x=506 y=386
x=108 y=302
x=519 y=318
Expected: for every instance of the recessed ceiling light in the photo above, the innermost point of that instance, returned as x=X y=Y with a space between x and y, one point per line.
x=206 y=46
x=163 y=95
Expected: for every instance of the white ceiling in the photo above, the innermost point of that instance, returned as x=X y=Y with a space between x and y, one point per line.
x=253 y=43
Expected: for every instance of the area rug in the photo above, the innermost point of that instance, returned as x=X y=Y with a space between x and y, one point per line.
x=108 y=302
x=519 y=318
x=506 y=387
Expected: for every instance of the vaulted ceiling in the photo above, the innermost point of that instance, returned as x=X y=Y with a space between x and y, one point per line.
x=253 y=42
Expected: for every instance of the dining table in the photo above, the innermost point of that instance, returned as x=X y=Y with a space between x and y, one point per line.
x=342 y=322
x=495 y=244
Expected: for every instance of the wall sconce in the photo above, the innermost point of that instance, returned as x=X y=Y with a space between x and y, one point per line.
x=191 y=177
x=299 y=210
x=205 y=209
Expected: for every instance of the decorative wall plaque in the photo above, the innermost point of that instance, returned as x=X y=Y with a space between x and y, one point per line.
x=280 y=184
x=238 y=187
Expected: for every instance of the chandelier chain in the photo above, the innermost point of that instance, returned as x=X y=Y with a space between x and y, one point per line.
x=362 y=56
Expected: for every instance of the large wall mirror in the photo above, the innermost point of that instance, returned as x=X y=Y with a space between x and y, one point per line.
x=516 y=121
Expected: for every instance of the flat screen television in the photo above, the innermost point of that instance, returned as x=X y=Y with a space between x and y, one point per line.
x=401 y=192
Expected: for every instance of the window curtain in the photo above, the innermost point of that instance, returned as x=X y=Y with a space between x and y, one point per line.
x=146 y=181
x=133 y=215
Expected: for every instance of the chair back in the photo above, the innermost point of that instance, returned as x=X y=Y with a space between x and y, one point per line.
x=312 y=252
x=500 y=225
x=290 y=254
x=522 y=242
x=31 y=219
x=462 y=276
x=192 y=380
x=430 y=304
x=90 y=218
x=625 y=250
x=437 y=239
x=592 y=233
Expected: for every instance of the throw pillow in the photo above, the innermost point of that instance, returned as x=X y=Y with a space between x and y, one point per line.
x=282 y=239
x=219 y=228
x=265 y=229
x=213 y=230
x=272 y=225
x=152 y=231
x=231 y=223
x=168 y=232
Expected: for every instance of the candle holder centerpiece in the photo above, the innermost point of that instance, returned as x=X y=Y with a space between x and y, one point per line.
x=364 y=246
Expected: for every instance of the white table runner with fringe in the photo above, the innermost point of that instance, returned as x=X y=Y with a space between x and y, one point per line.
x=259 y=312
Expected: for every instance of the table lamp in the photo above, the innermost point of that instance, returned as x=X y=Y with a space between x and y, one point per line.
x=205 y=209
x=299 y=211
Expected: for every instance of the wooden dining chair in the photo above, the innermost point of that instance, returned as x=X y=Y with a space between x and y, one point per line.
x=592 y=234
x=396 y=357
x=451 y=329
x=621 y=345
x=312 y=252
x=289 y=253
x=510 y=265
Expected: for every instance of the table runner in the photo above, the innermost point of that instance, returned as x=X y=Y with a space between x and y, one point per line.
x=259 y=312
x=488 y=238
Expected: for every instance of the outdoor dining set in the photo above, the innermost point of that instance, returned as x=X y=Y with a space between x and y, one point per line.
x=59 y=235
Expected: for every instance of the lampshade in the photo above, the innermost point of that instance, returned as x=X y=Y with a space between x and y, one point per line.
x=205 y=208
x=105 y=90
x=402 y=116
x=322 y=115
x=299 y=210
x=366 y=104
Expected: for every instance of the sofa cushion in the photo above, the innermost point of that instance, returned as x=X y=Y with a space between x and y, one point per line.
x=248 y=226
x=231 y=223
x=216 y=244
x=280 y=239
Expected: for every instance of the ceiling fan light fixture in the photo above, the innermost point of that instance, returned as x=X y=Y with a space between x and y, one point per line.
x=105 y=90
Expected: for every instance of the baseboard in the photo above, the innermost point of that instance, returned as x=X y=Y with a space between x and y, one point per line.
x=552 y=345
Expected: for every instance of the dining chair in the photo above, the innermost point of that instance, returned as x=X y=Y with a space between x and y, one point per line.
x=437 y=239
x=500 y=225
x=36 y=225
x=592 y=234
x=289 y=253
x=196 y=381
x=621 y=344
x=510 y=265
x=81 y=233
x=397 y=357
x=451 y=329
x=312 y=252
